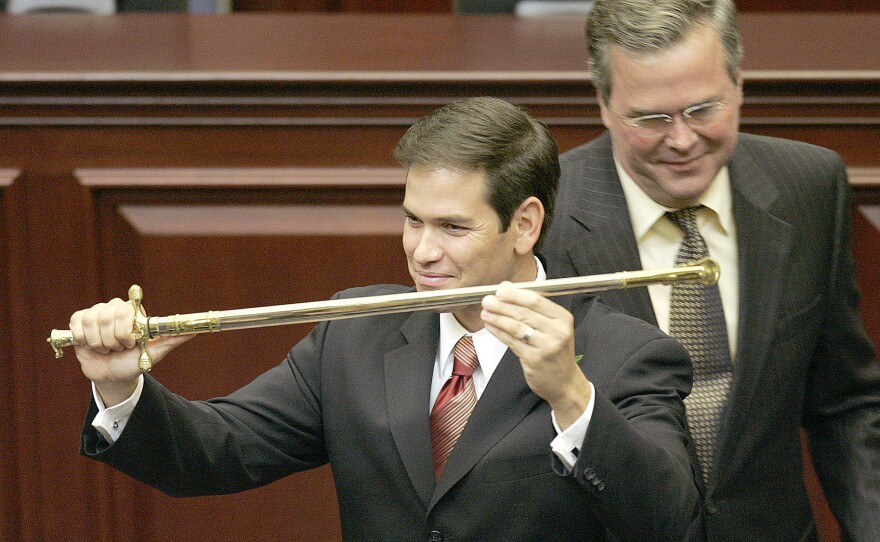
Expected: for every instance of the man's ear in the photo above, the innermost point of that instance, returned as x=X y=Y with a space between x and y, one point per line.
x=739 y=86
x=528 y=221
x=604 y=111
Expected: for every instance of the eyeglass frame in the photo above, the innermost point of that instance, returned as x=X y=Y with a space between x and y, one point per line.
x=632 y=122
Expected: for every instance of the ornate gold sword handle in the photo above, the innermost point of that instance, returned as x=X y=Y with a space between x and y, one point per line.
x=141 y=326
x=61 y=338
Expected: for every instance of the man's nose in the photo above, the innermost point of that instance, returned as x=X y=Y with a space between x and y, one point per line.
x=680 y=135
x=428 y=247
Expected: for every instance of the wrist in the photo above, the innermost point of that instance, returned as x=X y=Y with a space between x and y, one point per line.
x=113 y=393
x=572 y=403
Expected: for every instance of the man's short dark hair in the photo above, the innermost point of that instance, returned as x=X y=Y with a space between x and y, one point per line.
x=516 y=153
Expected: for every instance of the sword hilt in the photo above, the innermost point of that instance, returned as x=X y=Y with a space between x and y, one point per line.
x=61 y=338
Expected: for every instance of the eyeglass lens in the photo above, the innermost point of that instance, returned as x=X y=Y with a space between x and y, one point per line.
x=695 y=115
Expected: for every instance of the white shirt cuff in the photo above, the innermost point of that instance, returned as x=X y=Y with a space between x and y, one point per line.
x=111 y=421
x=567 y=444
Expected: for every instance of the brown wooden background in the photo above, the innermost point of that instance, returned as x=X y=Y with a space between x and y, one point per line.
x=230 y=162
x=446 y=6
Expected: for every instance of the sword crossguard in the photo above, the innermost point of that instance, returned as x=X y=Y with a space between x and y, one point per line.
x=141 y=326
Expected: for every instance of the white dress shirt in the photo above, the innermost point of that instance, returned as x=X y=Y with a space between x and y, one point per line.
x=490 y=350
x=659 y=239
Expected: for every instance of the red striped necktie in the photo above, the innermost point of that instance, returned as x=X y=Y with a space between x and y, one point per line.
x=455 y=403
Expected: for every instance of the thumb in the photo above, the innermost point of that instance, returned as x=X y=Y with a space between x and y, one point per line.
x=159 y=347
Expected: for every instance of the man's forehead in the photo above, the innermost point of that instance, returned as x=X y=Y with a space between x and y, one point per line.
x=445 y=182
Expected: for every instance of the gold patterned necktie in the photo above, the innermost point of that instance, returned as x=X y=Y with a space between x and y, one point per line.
x=696 y=319
x=455 y=403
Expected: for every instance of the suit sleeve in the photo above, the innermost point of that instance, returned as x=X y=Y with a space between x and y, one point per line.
x=260 y=433
x=842 y=414
x=636 y=459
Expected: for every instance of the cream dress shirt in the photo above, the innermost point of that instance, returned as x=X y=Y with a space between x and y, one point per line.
x=658 y=240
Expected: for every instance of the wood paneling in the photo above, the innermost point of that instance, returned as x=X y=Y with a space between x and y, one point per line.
x=806 y=5
x=189 y=155
x=445 y=6
x=349 y=6
x=287 y=5
x=9 y=510
x=228 y=245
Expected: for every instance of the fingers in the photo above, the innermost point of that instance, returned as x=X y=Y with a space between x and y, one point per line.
x=541 y=333
x=105 y=327
x=529 y=333
x=160 y=347
x=525 y=317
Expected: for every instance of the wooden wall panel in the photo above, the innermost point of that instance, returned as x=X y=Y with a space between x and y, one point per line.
x=9 y=510
x=206 y=248
x=286 y=5
x=806 y=5
x=441 y=6
x=347 y=6
x=866 y=244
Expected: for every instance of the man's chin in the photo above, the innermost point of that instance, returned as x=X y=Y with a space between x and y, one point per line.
x=683 y=191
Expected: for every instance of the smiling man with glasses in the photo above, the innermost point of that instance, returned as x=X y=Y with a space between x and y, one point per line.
x=778 y=345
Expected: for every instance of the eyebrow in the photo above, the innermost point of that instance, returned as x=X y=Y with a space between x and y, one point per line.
x=635 y=113
x=451 y=219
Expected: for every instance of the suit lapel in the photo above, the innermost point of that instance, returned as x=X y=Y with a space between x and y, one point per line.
x=763 y=242
x=600 y=232
x=506 y=400
x=408 y=373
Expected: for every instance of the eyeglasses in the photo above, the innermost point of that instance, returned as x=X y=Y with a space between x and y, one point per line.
x=695 y=116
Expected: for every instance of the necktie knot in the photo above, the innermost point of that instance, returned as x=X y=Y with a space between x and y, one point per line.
x=686 y=220
x=693 y=247
x=465 y=357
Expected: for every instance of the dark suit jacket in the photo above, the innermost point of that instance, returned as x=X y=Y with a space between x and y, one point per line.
x=803 y=358
x=356 y=393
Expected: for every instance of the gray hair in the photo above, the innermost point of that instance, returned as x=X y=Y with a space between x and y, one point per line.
x=649 y=26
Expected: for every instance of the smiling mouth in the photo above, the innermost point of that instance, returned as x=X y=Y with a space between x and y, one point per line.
x=682 y=164
x=431 y=280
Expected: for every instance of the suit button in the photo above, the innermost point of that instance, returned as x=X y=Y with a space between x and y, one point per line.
x=435 y=536
x=711 y=507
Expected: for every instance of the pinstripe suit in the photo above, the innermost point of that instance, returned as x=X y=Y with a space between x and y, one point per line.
x=803 y=358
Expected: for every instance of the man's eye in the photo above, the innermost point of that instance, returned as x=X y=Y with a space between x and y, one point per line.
x=699 y=112
x=413 y=221
x=703 y=112
x=652 y=121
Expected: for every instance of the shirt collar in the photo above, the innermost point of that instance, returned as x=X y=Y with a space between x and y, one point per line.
x=489 y=348
x=645 y=212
